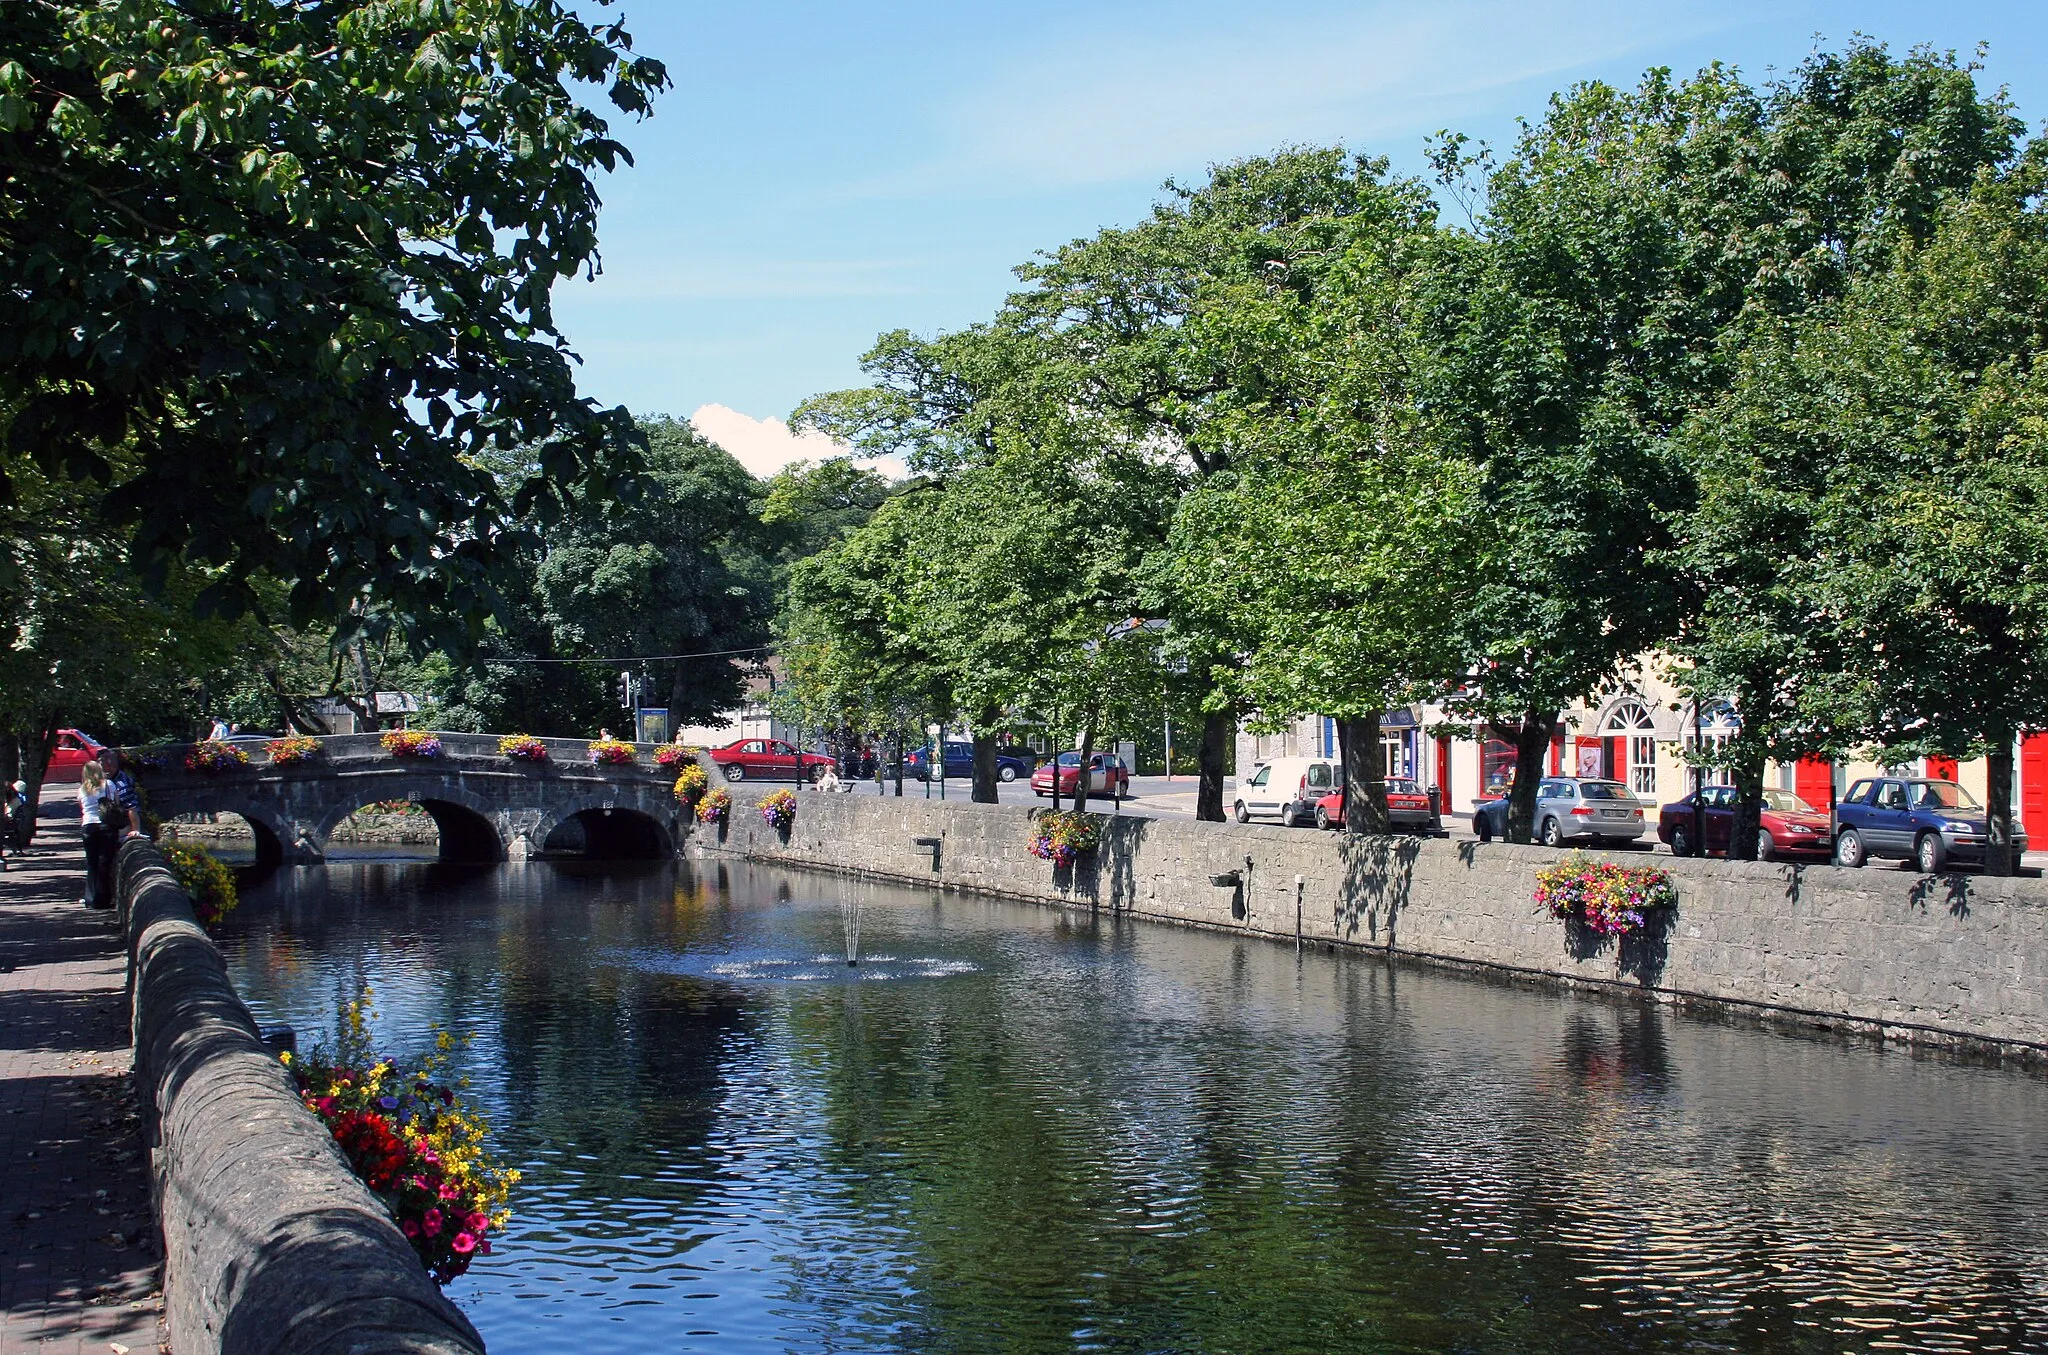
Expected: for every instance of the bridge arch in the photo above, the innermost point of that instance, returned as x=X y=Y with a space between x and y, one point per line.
x=466 y=822
x=603 y=827
x=275 y=834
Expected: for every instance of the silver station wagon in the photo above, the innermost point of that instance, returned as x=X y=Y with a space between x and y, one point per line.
x=1570 y=809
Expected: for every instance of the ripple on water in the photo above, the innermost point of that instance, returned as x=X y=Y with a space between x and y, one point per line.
x=1104 y=1137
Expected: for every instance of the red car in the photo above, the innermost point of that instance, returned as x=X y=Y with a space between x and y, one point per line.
x=1409 y=807
x=1787 y=827
x=1107 y=775
x=74 y=750
x=770 y=760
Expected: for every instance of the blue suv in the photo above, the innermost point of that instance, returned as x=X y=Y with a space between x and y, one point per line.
x=1903 y=818
x=1011 y=763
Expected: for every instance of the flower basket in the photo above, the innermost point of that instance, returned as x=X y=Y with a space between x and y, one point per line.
x=778 y=809
x=408 y=1135
x=295 y=751
x=523 y=748
x=671 y=756
x=1604 y=897
x=691 y=783
x=205 y=878
x=611 y=753
x=214 y=756
x=411 y=743
x=714 y=807
x=1063 y=837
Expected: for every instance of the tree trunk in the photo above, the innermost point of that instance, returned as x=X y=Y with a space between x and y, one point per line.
x=985 y=736
x=1081 y=772
x=1365 y=776
x=1532 y=746
x=899 y=764
x=1748 y=774
x=35 y=764
x=1998 y=853
x=1216 y=728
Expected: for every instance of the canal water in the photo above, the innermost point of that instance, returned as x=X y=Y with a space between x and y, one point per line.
x=1015 y=1129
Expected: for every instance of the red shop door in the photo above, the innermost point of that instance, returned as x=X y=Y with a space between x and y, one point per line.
x=1813 y=780
x=2034 y=785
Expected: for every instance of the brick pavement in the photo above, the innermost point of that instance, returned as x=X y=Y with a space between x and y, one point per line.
x=78 y=1243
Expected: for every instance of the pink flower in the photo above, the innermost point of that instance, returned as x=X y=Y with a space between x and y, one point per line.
x=432 y=1223
x=476 y=1223
x=409 y=1228
x=448 y=1192
x=463 y=1244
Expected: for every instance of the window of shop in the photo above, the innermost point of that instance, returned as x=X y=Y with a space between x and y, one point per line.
x=1718 y=723
x=1629 y=745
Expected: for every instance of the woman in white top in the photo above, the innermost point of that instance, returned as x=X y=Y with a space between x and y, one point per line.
x=101 y=815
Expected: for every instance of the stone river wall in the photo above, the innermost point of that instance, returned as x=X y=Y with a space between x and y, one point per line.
x=271 y=1243
x=1952 y=959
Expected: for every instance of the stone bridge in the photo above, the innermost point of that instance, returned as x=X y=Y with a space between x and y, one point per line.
x=488 y=807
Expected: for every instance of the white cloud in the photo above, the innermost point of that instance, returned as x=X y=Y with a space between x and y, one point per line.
x=765 y=446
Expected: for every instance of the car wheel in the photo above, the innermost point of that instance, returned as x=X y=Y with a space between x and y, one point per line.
x=1849 y=849
x=1242 y=817
x=1931 y=853
x=1323 y=818
x=1681 y=842
x=1006 y=773
x=735 y=772
x=1553 y=833
x=1766 y=845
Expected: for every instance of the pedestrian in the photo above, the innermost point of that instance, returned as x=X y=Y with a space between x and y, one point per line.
x=605 y=735
x=218 y=730
x=14 y=820
x=100 y=816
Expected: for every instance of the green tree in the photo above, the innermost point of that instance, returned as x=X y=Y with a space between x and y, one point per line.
x=278 y=280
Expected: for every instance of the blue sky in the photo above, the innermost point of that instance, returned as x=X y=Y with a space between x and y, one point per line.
x=821 y=173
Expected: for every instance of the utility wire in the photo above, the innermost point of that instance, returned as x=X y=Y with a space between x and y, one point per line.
x=642 y=658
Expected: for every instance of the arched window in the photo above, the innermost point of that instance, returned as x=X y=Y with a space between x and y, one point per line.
x=1718 y=723
x=1631 y=721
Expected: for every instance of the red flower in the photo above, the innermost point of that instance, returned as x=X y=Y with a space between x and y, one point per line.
x=463 y=1244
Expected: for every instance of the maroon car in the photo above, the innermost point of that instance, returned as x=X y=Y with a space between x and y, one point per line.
x=1788 y=826
x=770 y=760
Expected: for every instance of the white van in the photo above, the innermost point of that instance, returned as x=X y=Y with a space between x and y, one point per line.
x=1286 y=790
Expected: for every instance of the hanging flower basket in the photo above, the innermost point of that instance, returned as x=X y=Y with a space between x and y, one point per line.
x=214 y=756
x=691 y=783
x=778 y=809
x=205 y=879
x=611 y=753
x=1604 y=897
x=295 y=751
x=670 y=756
x=409 y=1136
x=523 y=748
x=714 y=807
x=1062 y=837
x=411 y=743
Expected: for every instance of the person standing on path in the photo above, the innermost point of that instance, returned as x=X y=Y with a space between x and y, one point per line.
x=102 y=817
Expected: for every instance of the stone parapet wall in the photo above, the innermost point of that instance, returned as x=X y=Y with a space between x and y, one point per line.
x=271 y=1243
x=1948 y=959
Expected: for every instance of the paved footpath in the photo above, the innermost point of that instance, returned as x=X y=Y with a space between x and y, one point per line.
x=78 y=1248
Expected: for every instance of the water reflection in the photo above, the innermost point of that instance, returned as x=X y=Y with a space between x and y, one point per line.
x=1071 y=1134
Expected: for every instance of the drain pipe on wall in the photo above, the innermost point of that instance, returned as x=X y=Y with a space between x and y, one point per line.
x=1299 y=885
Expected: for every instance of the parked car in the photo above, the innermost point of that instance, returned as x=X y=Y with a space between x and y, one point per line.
x=770 y=760
x=1409 y=808
x=1107 y=775
x=1286 y=790
x=74 y=749
x=1011 y=762
x=1920 y=819
x=1788 y=826
x=1570 y=809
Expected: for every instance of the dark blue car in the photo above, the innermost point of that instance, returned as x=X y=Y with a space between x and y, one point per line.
x=1918 y=819
x=1011 y=763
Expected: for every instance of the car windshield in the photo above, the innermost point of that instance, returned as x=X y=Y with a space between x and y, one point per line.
x=1785 y=802
x=1604 y=790
x=1070 y=759
x=1941 y=795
